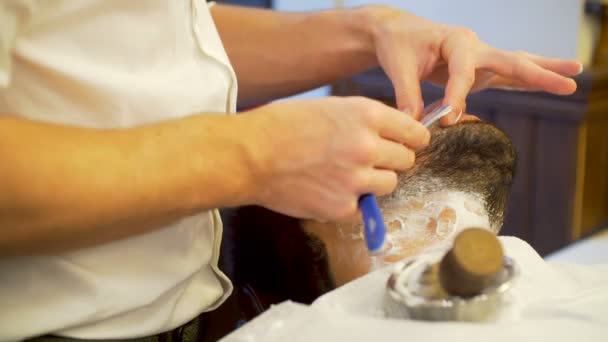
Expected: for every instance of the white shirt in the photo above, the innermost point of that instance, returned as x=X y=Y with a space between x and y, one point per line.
x=549 y=302
x=114 y=63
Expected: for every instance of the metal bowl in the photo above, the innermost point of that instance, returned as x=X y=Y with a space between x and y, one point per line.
x=411 y=296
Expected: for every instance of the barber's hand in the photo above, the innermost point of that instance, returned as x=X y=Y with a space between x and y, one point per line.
x=318 y=156
x=411 y=49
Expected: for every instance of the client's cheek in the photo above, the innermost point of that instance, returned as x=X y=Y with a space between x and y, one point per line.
x=445 y=223
x=349 y=259
x=438 y=227
x=474 y=207
x=393 y=227
x=413 y=205
x=399 y=249
x=405 y=249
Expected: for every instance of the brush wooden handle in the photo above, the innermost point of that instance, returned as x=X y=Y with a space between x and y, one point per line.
x=474 y=260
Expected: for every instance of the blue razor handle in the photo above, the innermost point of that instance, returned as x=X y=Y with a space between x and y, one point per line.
x=373 y=223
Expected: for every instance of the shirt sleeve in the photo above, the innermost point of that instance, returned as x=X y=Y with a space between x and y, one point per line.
x=13 y=14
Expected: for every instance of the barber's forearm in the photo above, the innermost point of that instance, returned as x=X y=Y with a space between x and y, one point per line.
x=65 y=187
x=277 y=54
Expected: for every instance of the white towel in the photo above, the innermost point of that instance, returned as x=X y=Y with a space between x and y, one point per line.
x=550 y=302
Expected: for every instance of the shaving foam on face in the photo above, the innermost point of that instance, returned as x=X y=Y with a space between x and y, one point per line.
x=426 y=223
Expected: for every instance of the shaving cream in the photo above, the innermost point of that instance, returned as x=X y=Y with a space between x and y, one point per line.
x=425 y=223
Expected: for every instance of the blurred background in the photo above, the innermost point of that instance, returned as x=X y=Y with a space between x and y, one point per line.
x=560 y=194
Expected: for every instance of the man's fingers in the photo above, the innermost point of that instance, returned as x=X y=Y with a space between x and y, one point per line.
x=563 y=67
x=462 y=117
x=394 y=156
x=510 y=84
x=379 y=182
x=399 y=127
x=403 y=73
x=459 y=52
x=468 y=117
x=518 y=68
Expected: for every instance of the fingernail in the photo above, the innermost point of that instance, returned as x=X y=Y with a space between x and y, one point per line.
x=458 y=117
x=511 y=88
x=453 y=118
x=407 y=111
x=580 y=69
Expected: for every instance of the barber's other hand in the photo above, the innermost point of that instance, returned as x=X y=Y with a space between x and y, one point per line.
x=411 y=49
x=314 y=158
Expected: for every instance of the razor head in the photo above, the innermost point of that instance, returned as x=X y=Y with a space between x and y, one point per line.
x=432 y=114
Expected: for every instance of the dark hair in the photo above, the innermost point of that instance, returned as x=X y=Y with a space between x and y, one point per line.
x=273 y=255
x=474 y=157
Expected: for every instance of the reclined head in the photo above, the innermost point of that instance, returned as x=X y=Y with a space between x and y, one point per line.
x=472 y=157
x=462 y=179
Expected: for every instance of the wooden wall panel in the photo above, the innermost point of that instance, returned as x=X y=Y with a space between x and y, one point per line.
x=555 y=179
x=593 y=210
x=522 y=131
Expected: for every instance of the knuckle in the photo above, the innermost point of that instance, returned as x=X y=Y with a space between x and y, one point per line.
x=458 y=102
x=360 y=101
x=407 y=120
x=406 y=123
x=469 y=78
x=365 y=150
x=360 y=182
x=420 y=135
x=351 y=183
x=388 y=183
x=520 y=54
x=518 y=67
x=436 y=37
x=439 y=34
x=406 y=160
x=426 y=138
x=392 y=180
x=370 y=115
x=367 y=109
x=409 y=159
x=467 y=33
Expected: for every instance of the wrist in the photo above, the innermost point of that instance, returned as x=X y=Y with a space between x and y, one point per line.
x=256 y=155
x=201 y=162
x=341 y=34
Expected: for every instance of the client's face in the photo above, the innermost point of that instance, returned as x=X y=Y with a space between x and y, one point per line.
x=429 y=221
x=415 y=224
